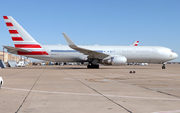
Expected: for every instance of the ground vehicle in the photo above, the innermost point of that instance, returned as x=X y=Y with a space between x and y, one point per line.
x=1 y=82
x=21 y=64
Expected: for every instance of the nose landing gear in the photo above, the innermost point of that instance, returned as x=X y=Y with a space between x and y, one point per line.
x=163 y=67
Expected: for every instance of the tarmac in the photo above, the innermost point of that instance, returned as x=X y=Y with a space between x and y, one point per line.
x=76 y=89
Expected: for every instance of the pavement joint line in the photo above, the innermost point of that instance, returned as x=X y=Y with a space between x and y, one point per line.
x=30 y=90
x=152 y=90
x=176 y=111
x=147 y=88
x=160 y=92
x=80 y=77
x=164 y=88
x=14 y=73
x=99 y=93
x=84 y=94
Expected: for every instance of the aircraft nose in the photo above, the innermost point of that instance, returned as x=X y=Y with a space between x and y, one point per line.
x=175 y=55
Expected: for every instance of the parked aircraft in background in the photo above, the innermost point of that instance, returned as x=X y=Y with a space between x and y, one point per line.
x=135 y=43
x=111 y=55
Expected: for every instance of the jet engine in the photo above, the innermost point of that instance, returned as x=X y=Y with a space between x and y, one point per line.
x=115 y=60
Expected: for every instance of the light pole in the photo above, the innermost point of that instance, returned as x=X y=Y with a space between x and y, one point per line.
x=3 y=54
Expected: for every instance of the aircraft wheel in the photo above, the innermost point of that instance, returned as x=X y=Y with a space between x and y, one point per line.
x=163 y=67
x=88 y=66
x=96 y=66
x=93 y=66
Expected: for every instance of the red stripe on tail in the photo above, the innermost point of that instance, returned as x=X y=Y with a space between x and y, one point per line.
x=13 y=31
x=5 y=17
x=17 y=39
x=27 y=46
x=135 y=44
x=9 y=24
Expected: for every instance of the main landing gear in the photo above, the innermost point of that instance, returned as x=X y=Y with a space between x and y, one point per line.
x=92 y=66
x=163 y=67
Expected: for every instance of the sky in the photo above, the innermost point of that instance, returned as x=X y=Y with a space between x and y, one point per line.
x=90 y=22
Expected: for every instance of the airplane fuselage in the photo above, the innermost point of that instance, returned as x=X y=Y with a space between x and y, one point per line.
x=138 y=54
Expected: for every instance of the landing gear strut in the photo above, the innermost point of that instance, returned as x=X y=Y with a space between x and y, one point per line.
x=163 y=67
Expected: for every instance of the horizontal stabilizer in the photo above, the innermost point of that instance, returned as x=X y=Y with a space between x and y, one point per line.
x=15 y=50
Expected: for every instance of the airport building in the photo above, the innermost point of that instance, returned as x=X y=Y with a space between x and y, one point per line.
x=6 y=56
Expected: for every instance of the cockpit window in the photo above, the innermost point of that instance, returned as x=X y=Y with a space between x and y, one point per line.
x=172 y=51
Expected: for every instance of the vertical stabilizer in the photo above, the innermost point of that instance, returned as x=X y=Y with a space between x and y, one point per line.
x=135 y=43
x=19 y=36
x=22 y=39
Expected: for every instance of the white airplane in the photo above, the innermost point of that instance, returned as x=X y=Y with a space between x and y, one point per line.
x=135 y=43
x=111 y=55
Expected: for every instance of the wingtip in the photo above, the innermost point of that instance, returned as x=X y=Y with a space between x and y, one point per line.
x=68 y=40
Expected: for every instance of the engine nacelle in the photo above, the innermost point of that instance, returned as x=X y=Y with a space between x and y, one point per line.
x=115 y=60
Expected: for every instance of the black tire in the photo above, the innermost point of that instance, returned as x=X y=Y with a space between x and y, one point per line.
x=93 y=66
x=163 y=67
x=96 y=66
x=89 y=66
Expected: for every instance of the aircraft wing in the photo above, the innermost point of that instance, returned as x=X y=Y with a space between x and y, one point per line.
x=90 y=53
x=14 y=50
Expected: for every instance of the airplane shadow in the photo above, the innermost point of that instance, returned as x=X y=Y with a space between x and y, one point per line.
x=76 y=67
